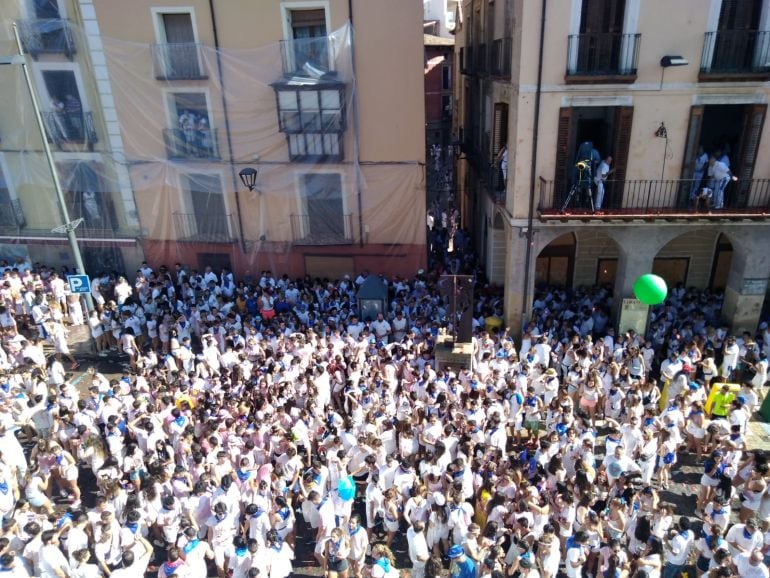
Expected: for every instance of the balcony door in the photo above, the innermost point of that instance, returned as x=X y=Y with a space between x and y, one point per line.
x=324 y=220
x=730 y=130
x=309 y=34
x=601 y=35
x=178 y=35
x=208 y=220
x=609 y=129
x=66 y=119
x=737 y=40
x=45 y=9
x=191 y=135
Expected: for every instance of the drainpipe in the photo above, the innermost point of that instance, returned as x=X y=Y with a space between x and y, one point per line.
x=221 y=76
x=354 y=104
x=533 y=167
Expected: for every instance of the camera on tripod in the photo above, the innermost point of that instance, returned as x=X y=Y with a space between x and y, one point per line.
x=579 y=192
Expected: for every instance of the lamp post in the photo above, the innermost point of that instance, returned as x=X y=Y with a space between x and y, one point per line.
x=663 y=133
x=249 y=180
x=69 y=226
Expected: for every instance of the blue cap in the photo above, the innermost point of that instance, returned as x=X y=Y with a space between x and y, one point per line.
x=455 y=551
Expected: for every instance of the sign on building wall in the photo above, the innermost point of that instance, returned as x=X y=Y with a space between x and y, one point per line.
x=754 y=286
x=633 y=315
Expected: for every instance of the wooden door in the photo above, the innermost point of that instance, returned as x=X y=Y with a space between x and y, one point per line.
x=691 y=144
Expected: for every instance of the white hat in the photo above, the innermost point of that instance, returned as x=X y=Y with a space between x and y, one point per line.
x=439 y=499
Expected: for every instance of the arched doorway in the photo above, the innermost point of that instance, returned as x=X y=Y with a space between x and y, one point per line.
x=720 y=269
x=555 y=264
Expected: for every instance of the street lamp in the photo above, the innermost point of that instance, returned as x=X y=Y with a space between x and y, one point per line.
x=69 y=226
x=248 y=178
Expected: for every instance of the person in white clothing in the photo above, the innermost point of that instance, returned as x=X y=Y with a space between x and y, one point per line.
x=418 y=548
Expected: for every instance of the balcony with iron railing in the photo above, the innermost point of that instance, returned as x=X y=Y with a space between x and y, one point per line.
x=654 y=199
x=309 y=57
x=46 y=36
x=99 y=216
x=192 y=144
x=735 y=55
x=208 y=228
x=178 y=61
x=313 y=230
x=602 y=58
x=66 y=127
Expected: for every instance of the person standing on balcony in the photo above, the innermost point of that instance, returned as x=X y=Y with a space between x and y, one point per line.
x=719 y=175
x=502 y=158
x=74 y=112
x=699 y=170
x=602 y=172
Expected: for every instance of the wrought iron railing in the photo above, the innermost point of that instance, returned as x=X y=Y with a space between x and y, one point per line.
x=46 y=36
x=206 y=228
x=306 y=56
x=500 y=58
x=654 y=197
x=191 y=143
x=605 y=54
x=736 y=52
x=317 y=230
x=67 y=127
x=11 y=215
x=178 y=61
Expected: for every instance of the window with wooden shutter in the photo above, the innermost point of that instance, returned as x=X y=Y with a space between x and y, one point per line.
x=691 y=145
x=562 y=152
x=753 y=121
x=624 y=116
x=499 y=127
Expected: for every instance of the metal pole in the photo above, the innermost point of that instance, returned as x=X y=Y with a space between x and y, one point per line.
x=71 y=237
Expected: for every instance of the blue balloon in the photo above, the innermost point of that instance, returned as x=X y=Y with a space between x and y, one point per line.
x=346 y=488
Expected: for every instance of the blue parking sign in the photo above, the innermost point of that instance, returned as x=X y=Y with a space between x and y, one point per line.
x=79 y=283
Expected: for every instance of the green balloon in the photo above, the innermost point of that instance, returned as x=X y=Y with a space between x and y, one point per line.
x=650 y=289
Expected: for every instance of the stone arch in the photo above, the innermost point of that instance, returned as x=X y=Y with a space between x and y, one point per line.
x=596 y=258
x=555 y=262
x=687 y=258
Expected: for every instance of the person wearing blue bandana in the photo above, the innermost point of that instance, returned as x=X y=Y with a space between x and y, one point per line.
x=279 y=556
x=744 y=537
x=384 y=565
x=195 y=553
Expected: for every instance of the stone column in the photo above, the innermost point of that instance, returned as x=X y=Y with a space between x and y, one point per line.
x=514 y=279
x=636 y=256
x=746 y=288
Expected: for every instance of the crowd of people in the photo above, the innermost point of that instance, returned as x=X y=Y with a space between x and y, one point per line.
x=255 y=419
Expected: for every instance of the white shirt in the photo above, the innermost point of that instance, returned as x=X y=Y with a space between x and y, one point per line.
x=745 y=568
x=418 y=547
x=52 y=559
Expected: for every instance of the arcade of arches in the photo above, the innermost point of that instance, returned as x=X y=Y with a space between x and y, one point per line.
x=728 y=257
